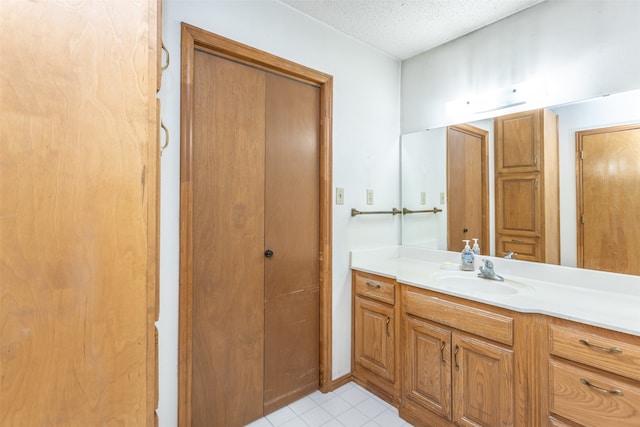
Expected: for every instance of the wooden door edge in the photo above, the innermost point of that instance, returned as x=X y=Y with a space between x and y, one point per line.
x=195 y=38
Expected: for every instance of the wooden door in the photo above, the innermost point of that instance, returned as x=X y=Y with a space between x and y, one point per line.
x=427 y=366
x=483 y=384
x=374 y=347
x=291 y=299
x=78 y=244
x=228 y=242
x=227 y=99
x=467 y=187
x=608 y=191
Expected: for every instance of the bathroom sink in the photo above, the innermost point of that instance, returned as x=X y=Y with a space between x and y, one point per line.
x=476 y=286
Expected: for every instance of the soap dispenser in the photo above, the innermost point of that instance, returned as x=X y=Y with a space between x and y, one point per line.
x=467 y=257
x=475 y=249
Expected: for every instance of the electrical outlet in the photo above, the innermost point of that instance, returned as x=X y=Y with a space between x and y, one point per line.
x=339 y=196
x=369 y=197
x=423 y=197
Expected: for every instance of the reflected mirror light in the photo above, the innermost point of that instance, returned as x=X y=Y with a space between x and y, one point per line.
x=533 y=93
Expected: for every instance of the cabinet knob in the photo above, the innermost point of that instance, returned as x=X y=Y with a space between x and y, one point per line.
x=268 y=253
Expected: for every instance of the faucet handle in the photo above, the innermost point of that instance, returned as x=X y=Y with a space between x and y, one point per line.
x=487 y=264
x=510 y=255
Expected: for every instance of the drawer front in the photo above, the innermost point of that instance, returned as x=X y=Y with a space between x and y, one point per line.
x=574 y=396
x=375 y=287
x=525 y=248
x=596 y=350
x=469 y=319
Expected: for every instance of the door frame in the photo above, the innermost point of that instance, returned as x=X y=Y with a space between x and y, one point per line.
x=483 y=135
x=193 y=39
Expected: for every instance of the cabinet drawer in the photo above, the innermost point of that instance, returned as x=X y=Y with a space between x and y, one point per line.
x=593 y=349
x=469 y=319
x=525 y=248
x=613 y=403
x=375 y=287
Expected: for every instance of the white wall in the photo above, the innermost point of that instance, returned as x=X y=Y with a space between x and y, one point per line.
x=365 y=150
x=581 y=49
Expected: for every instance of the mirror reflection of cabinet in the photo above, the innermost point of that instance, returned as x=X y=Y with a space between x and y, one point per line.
x=527 y=192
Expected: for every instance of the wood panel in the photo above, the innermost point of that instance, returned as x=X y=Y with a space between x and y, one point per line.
x=292 y=232
x=480 y=322
x=483 y=387
x=518 y=142
x=78 y=216
x=427 y=366
x=467 y=186
x=608 y=180
x=228 y=239
x=375 y=337
x=194 y=39
x=591 y=398
x=518 y=205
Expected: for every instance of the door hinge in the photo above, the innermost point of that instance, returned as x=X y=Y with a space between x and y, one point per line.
x=581 y=154
x=582 y=219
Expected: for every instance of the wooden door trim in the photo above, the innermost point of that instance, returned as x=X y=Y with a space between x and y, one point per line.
x=579 y=189
x=195 y=38
x=484 y=170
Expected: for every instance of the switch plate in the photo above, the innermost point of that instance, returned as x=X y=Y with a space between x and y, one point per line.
x=423 y=197
x=442 y=198
x=339 y=196
x=369 y=197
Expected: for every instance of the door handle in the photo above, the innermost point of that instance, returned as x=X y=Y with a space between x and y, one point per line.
x=268 y=253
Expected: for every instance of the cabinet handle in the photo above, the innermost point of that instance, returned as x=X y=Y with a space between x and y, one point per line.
x=604 y=390
x=373 y=285
x=388 y=321
x=166 y=134
x=612 y=350
x=444 y=344
x=165 y=66
x=455 y=357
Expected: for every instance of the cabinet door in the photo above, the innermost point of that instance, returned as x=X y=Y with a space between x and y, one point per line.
x=518 y=205
x=482 y=383
x=78 y=185
x=374 y=337
x=518 y=139
x=427 y=379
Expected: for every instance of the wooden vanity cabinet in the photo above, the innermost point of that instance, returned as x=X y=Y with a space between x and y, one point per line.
x=375 y=345
x=527 y=189
x=458 y=362
x=594 y=376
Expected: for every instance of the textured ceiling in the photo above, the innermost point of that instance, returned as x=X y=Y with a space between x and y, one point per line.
x=405 y=28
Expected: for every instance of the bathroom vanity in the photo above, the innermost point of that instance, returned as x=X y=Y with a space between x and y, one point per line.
x=549 y=346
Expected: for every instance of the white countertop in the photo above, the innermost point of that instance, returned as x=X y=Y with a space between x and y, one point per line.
x=608 y=300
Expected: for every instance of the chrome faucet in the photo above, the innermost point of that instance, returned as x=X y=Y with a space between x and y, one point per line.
x=510 y=255
x=486 y=271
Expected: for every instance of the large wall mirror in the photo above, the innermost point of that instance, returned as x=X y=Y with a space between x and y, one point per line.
x=424 y=177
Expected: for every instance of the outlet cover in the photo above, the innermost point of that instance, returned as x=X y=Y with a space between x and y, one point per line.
x=369 y=197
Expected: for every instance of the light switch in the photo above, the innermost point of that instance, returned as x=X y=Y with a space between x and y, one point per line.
x=442 y=198
x=339 y=196
x=423 y=197
x=369 y=197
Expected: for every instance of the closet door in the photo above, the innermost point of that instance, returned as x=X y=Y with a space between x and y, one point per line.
x=228 y=242
x=292 y=233
x=78 y=185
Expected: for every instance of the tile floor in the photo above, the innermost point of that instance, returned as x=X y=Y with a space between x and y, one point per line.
x=347 y=406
